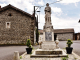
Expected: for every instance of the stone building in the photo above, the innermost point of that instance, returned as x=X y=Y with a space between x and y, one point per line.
x=16 y=26
x=62 y=34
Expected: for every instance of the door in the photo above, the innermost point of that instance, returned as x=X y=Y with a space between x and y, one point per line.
x=55 y=36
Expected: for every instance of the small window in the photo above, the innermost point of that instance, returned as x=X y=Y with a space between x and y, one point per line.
x=7 y=24
x=9 y=14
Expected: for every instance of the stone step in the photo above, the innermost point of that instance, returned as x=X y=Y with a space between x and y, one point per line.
x=49 y=42
x=47 y=56
x=44 y=52
x=48 y=52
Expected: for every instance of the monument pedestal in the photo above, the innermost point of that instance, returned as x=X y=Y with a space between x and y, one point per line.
x=48 y=45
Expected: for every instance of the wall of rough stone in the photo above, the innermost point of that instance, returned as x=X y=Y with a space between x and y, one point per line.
x=21 y=28
x=65 y=36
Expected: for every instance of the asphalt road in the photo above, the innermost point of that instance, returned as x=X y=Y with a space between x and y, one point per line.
x=7 y=52
x=75 y=45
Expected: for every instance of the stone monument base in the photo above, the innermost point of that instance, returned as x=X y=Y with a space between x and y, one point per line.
x=48 y=45
x=39 y=53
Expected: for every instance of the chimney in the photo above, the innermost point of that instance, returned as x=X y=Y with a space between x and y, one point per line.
x=0 y=7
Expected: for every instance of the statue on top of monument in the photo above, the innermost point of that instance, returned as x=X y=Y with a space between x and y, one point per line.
x=47 y=14
x=47 y=8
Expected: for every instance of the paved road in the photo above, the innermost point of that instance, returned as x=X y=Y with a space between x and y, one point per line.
x=7 y=52
x=75 y=45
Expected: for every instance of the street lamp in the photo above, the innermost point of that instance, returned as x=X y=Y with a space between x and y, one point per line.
x=35 y=12
x=36 y=22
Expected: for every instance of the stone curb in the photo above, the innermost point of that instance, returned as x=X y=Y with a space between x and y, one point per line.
x=23 y=55
x=77 y=56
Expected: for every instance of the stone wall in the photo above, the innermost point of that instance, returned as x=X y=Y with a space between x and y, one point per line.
x=65 y=36
x=21 y=27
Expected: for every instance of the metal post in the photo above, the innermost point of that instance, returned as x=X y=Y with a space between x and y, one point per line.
x=37 y=29
x=36 y=24
x=34 y=16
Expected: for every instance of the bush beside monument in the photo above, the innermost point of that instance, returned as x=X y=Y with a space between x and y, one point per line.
x=28 y=44
x=69 y=48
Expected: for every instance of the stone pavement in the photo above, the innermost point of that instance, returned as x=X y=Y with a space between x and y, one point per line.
x=72 y=56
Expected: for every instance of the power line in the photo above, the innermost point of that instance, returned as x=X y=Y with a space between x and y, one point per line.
x=52 y=3
x=55 y=2
x=45 y=5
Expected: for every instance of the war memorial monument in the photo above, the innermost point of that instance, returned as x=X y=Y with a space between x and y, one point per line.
x=48 y=47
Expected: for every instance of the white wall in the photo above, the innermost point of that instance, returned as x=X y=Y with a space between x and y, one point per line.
x=41 y=37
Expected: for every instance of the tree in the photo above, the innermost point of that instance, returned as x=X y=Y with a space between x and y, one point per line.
x=37 y=35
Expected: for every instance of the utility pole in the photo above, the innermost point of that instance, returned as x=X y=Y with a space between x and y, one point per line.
x=36 y=24
x=34 y=15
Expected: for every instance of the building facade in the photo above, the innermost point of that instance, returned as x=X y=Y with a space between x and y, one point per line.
x=16 y=26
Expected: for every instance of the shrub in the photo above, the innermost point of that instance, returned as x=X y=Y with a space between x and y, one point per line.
x=28 y=43
x=69 y=42
x=67 y=56
x=64 y=58
x=20 y=57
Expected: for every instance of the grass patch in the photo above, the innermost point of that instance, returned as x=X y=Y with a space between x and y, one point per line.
x=20 y=57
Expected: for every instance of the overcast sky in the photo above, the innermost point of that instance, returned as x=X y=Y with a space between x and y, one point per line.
x=65 y=14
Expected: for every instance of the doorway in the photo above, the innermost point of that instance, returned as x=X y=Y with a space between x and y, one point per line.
x=75 y=36
x=55 y=36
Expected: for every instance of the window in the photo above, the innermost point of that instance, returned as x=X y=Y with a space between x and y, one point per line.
x=9 y=14
x=7 y=24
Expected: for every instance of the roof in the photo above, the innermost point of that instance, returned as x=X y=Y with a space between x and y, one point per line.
x=77 y=33
x=63 y=30
x=17 y=9
x=41 y=31
x=56 y=31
